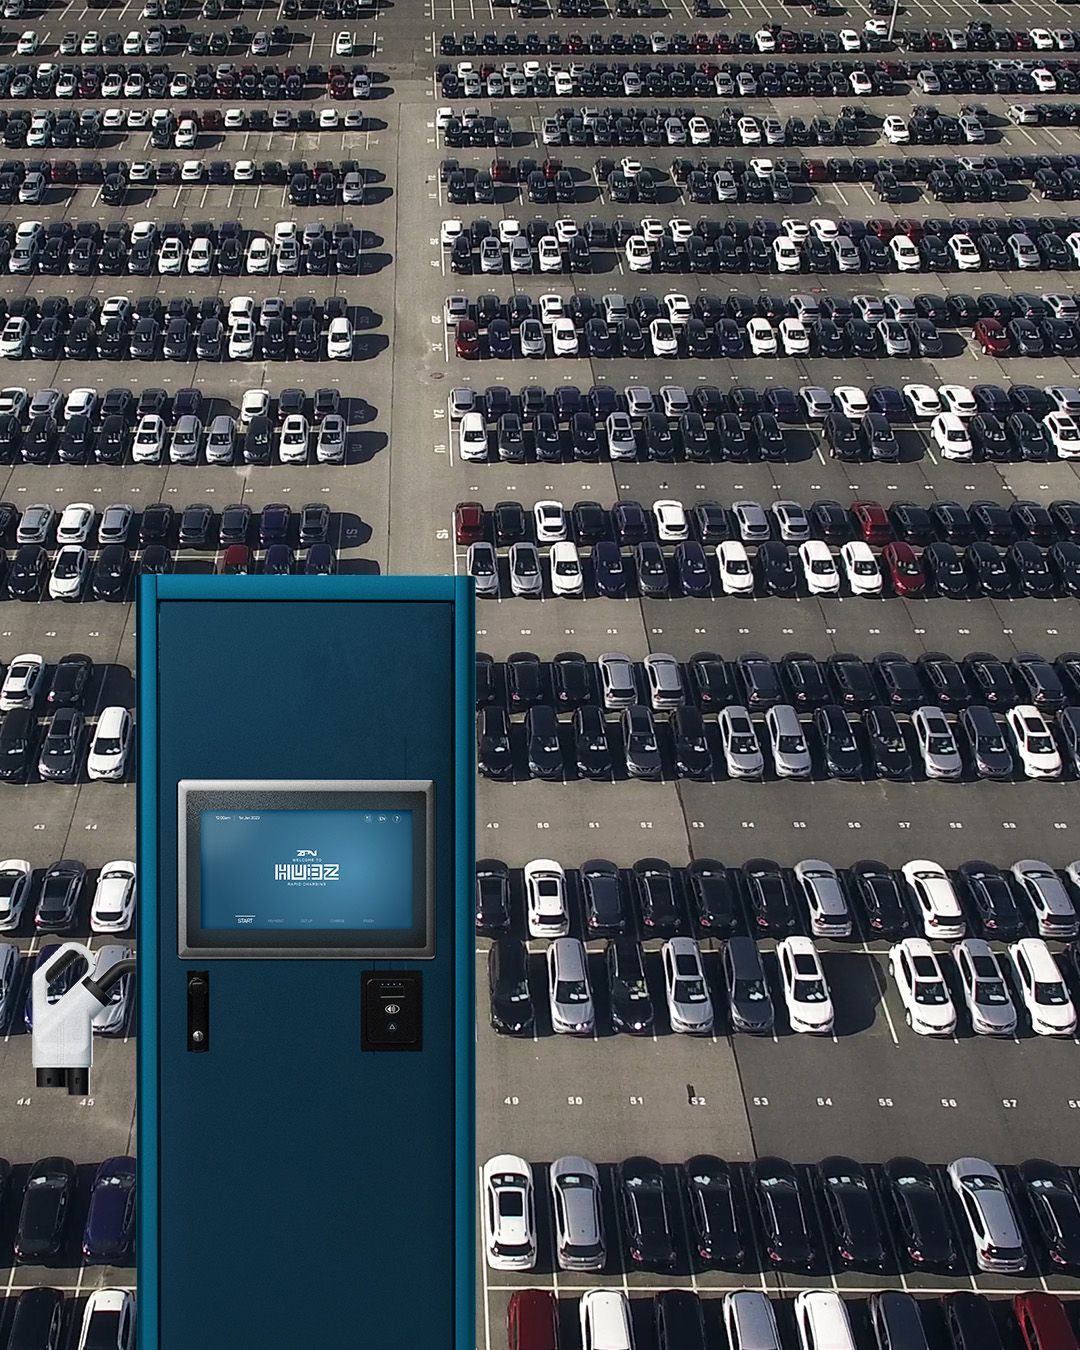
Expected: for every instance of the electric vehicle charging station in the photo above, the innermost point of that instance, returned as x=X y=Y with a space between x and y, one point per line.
x=306 y=958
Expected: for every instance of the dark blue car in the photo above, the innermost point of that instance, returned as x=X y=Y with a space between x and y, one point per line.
x=110 y=1221
x=609 y=572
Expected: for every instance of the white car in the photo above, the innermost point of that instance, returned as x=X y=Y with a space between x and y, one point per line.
x=14 y=337
x=549 y=254
x=806 y=991
x=798 y=231
x=935 y=899
x=700 y=131
x=200 y=258
x=850 y=41
x=1041 y=39
x=1034 y=742
x=254 y=403
x=23 y=682
x=923 y=400
x=545 y=899
x=343 y=44
x=113 y=907
x=928 y=1006
x=828 y=231
x=565 y=230
x=671 y=523
x=549 y=522
x=111 y=744
x=171 y=258
x=638 y=254
x=966 y=257
x=241 y=340
x=679 y=310
x=816 y=401
x=15 y=886
x=108 y=1320
x=742 y=748
x=851 y=400
x=937 y=744
x=148 y=444
x=473 y=437
x=566 y=575
x=958 y=399
x=861 y=569
x=293 y=441
x=564 y=338
x=509 y=1213
x=762 y=337
x=1042 y=988
x=986 y=994
x=896 y=130
x=951 y=436
x=75 y=523
x=651 y=229
x=339 y=340
x=905 y=255
x=662 y=339
x=1045 y=82
x=551 y=308
x=621 y=440
x=749 y=131
x=71 y=567
x=794 y=337
x=1064 y=433
x=736 y=572
x=819 y=568
x=260 y=255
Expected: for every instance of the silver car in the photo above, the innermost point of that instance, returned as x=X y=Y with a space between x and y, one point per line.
x=617 y=680
x=110 y=1021
x=569 y=995
x=752 y=522
x=995 y=1233
x=525 y=575
x=986 y=994
x=664 y=682
x=941 y=758
x=689 y=1004
x=575 y=1198
x=787 y=741
x=532 y=339
x=34 y=525
x=742 y=750
x=483 y=567
x=820 y=887
x=1045 y=892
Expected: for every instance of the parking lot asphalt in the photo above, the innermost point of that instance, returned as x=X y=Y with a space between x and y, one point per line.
x=874 y=1091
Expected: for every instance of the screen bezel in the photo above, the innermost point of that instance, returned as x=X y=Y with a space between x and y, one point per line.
x=194 y=796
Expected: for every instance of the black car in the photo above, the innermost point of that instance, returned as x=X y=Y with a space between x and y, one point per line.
x=881 y=898
x=654 y=892
x=783 y=1215
x=70 y=679
x=990 y=899
x=922 y=1222
x=652 y=570
x=839 y=745
x=1031 y=570
x=110 y=573
x=510 y=999
x=710 y=681
x=946 y=571
x=647 y=1214
x=609 y=574
x=16 y=744
x=631 y=1003
x=1052 y=1201
x=852 y=680
x=772 y=909
x=711 y=1191
x=46 y=1207
x=889 y=754
x=989 y=750
x=602 y=899
x=38 y=1320
x=805 y=680
x=852 y=1213
x=693 y=758
x=712 y=897
x=61 y=749
x=493 y=743
x=775 y=568
x=109 y=1234
x=492 y=896
x=944 y=679
x=27 y=572
x=542 y=742
x=899 y=681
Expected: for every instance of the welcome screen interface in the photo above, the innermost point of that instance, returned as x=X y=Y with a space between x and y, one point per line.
x=306 y=869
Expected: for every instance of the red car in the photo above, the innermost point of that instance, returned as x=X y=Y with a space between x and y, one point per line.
x=883 y=228
x=235 y=559
x=467 y=339
x=991 y=336
x=905 y=569
x=816 y=170
x=912 y=228
x=502 y=171
x=872 y=522
x=468 y=522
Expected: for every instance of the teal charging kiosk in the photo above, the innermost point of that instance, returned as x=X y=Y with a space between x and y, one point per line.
x=305 y=1044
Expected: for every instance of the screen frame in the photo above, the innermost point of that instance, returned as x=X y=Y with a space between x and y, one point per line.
x=194 y=941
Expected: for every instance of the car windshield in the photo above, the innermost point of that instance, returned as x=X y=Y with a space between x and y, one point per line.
x=571 y=991
x=991 y=992
x=1050 y=993
x=941 y=745
x=752 y=991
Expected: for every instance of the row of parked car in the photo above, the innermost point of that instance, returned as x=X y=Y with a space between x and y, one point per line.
x=60 y=891
x=708 y=899
x=681 y=1318
x=70 y=744
x=140 y=79
x=930 y=999
x=837 y=1213
x=148 y=330
x=88 y=248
